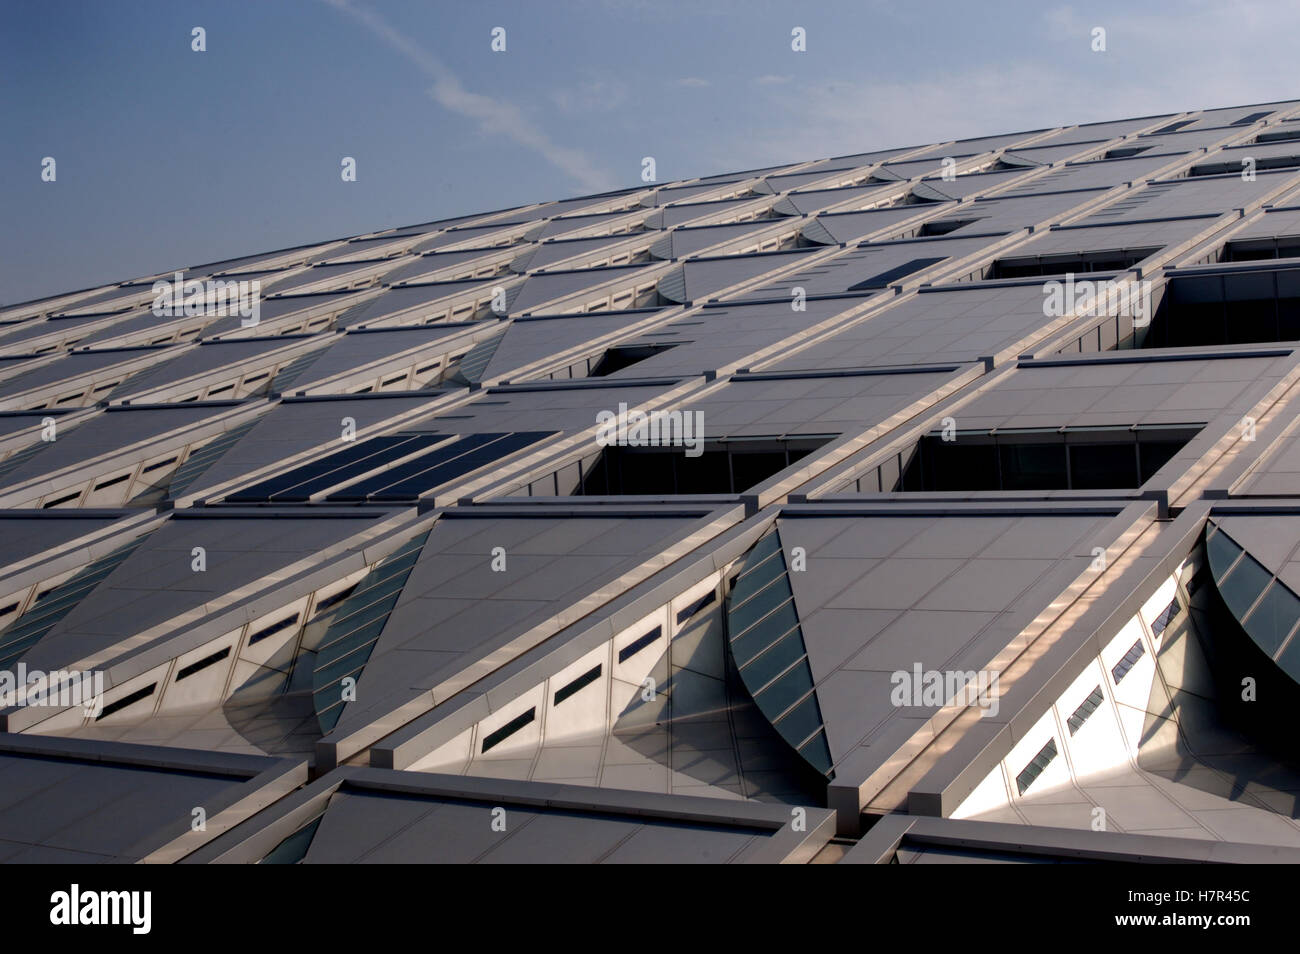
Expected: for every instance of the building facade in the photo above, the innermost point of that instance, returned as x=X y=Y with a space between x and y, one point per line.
x=937 y=503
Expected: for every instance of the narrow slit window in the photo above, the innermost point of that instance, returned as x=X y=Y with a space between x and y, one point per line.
x=634 y=647
x=1036 y=767
x=577 y=685
x=1122 y=668
x=202 y=664
x=127 y=700
x=494 y=739
x=1085 y=710
x=271 y=630
x=687 y=612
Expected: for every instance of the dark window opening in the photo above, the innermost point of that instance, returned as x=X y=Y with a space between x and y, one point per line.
x=1005 y=164
x=586 y=679
x=331 y=601
x=638 y=644
x=128 y=700
x=1173 y=127
x=943 y=227
x=729 y=467
x=1244 y=307
x=113 y=481
x=204 y=663
x=687 y=612
x=160 y=464
x=1282 y=135
x=1103 y=459
x=616 y=359
x=1124 y=152
x=883 y=279
x=494 y=739
x=1255 y=250
x=271 y=630
x=1224 y=166
x=1112 y=261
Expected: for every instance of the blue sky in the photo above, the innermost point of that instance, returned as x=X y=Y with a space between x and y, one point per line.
x=167 y=157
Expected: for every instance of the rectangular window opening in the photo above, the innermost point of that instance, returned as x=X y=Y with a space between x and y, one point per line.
x=572 y=688
x=885 y=278
x=1222 y=166
x=113 y=481
x=1107 y=459
x=271 y=630
x=1125 y=665
x=1035 y=768
x=1085 y=710
x=638 y=644
x=1232 y=307
x=1167 y=616
x=687 y=612
x=722 y=467
x=1256 y=250
x=202 y=664
x=1101 y=261
x=943 y=227
x=162 y=463
x=494 y=739
x=624 y=356
x=1281 y=135
x=128 y=700
x=1124 y=152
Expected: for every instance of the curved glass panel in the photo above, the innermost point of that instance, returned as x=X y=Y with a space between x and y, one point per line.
x=1263 y=605
x=767 y=647
x=1273 y=619
x=1243 y=585
x=1222 y=552
x=50 y=607
x=346 y=646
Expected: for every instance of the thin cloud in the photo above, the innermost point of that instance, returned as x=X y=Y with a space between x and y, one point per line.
x=1144 y=72
x=693 y=82
x=599 y=94
x=493 y=116
x=771 y=79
